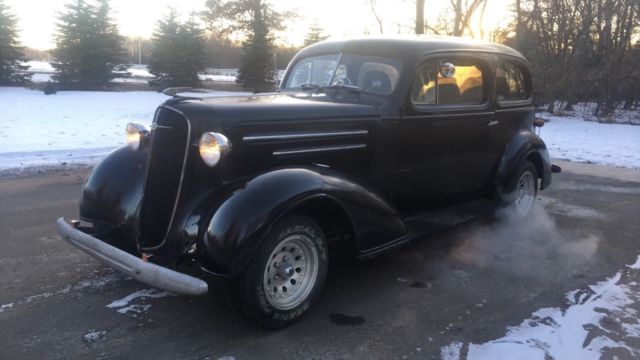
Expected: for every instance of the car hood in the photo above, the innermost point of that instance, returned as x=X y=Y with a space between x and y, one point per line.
x=216 y=113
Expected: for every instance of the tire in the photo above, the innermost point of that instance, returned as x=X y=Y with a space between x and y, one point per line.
x=522 y=194
x=285 y=276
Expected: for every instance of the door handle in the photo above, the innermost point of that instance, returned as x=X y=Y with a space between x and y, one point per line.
x=493 y=123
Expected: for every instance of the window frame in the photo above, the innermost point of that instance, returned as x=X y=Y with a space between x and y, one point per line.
x=484 y=62
x=526 y=74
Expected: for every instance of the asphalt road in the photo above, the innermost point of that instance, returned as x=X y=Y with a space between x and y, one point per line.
x=466 y=284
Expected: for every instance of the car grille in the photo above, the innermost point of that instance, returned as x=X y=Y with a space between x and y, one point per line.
x=167 y=155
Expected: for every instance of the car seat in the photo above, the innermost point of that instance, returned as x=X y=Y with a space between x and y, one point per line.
x=377 y=82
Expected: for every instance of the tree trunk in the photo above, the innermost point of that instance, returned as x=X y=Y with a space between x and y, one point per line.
x=551 y=106
x=569 y=106
x=420 y=16
x=457 y=26
x=627 y=104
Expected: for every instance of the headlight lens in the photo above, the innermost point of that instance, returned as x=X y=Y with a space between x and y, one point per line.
x=137 y=135
x=213 y=146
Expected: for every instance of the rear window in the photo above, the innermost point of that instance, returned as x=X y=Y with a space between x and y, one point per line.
x=511 y=83
x=449 y=82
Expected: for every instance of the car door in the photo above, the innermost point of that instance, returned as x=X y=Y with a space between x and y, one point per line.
x=445 y=136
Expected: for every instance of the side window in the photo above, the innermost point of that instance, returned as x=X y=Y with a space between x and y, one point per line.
x=510 y=83
x=456 y=81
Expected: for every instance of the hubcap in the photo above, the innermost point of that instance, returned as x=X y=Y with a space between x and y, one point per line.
x=291 y=272
x=525 y=193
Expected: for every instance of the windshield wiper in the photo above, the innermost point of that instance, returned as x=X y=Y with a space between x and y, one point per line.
x=323 y=89
x=312 y=87
x=351 y=88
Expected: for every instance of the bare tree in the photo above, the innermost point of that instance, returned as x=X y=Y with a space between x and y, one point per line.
x=463 y=14
x=420 y=16
x=581 y=50
x=372 y=5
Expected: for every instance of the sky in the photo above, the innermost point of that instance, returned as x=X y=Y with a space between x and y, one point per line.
x=338 y=18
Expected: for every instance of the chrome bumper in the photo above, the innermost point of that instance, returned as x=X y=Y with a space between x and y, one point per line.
x=145 y=272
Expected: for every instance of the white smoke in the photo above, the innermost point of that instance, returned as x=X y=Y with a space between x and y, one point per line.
x=533 y=245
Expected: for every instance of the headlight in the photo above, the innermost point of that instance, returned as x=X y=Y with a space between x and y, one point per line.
x=137 y=135
x=213 y=147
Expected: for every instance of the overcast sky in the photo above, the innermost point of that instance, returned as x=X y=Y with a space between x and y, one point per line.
x=339 y=18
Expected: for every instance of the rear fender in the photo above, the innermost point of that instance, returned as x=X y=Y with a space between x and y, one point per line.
x=240 y=223
x=525 y=145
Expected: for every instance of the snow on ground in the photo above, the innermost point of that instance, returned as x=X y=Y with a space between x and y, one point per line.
x=597 y=322
x=218 y=78
x=140 y=71
x=39 y=66
x=126 y=304
x=69 y=127
x=573 y=139
x=42 y=71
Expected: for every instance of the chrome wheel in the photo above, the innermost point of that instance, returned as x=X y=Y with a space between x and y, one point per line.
x=525 y=194
x=291 y=272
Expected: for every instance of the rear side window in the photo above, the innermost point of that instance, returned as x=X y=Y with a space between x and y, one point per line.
x=449 y=82
x=511 y=83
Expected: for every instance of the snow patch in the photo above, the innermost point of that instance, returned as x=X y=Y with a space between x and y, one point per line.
x=97 y=282
x=140 y=70
x=5 y=307
x=451 y=351
x=94 y=335
x=124 y=306
x=574 y=139
x=597 y=322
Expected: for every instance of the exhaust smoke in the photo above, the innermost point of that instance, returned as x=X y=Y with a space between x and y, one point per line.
x=530 y=246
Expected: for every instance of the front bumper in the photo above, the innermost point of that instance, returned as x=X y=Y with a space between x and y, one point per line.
x=145 y=272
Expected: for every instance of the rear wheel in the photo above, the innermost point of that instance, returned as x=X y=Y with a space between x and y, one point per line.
x=522 y=196
x=286 y=275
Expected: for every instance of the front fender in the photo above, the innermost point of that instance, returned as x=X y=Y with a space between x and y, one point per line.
x=112 y=193
x=524 y=145
x=242 y=220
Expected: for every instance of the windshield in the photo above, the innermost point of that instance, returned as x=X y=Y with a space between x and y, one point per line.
x=370 y=73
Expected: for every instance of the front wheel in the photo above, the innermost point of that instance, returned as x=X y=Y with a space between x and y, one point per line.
x=523 y=196
x=286 y=275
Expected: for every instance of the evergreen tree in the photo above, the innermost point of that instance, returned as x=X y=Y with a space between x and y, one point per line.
x=256 y=64
x=109 y=45
x=178 y=52
x=88 y=46
x=314 y=35
x=11 y=69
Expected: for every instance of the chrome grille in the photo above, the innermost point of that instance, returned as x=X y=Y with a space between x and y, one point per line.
x=168 y=144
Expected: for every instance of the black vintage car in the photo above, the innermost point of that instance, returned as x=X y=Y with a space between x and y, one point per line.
x=364 y=143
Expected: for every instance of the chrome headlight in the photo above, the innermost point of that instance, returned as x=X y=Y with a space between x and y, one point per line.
x=213 y=146
x=137 y=135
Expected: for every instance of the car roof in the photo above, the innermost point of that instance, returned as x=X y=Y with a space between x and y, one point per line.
x=406 y=46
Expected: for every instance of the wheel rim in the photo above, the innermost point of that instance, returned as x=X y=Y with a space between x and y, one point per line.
x=525 y=193
x=291 y=272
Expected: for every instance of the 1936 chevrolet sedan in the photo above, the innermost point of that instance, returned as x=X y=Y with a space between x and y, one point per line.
x=365 y=141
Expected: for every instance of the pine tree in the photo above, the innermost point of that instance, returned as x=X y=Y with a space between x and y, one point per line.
x=178 y=52
x=256 y=64
x=11 y=57
x=314 y=35
x=109 y=49
x=88 y=46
